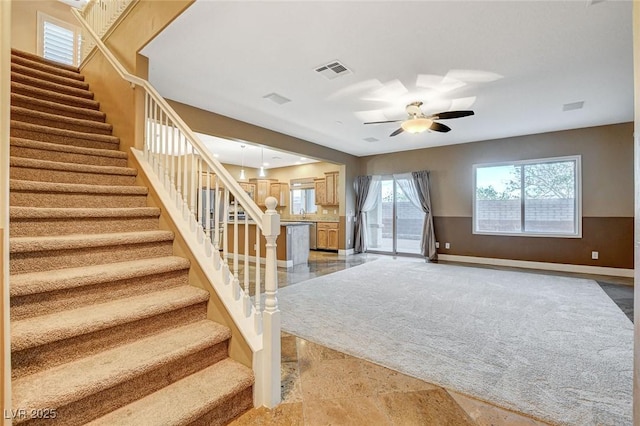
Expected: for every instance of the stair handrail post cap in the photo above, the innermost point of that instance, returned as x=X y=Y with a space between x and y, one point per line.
x=271 y=218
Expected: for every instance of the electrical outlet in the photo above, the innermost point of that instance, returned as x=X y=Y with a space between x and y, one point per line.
x=594 y=255
x=335 y=211
x=348 y=241
x=324 y=211
x=447 y=246
x=437 y=244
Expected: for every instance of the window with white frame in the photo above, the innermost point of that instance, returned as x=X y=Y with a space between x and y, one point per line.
x=58 y=40
x=303 y=196
x=533 y=198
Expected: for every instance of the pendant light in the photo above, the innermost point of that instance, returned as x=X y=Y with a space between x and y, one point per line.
x=262 y=174
x=242 y=175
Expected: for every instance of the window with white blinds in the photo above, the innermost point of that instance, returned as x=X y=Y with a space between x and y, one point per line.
x=58 y=40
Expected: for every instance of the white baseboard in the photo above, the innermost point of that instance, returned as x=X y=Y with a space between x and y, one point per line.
x=348 y=252
x=562 y=267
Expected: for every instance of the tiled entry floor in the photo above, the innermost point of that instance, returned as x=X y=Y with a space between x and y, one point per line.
x=321 y=386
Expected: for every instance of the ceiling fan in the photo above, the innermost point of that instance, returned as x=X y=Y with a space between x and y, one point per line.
x=418 y=122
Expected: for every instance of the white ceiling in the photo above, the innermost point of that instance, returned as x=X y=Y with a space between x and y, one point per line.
x=514 y=63
x=250 y=155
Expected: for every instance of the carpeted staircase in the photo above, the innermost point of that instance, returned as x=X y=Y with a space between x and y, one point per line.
x=105 y=327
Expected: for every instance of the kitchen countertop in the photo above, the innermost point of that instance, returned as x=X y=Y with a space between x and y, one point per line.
x=315 y=220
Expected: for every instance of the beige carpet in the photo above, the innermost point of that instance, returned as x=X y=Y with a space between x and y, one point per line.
x=105 y=327
x=556 y=348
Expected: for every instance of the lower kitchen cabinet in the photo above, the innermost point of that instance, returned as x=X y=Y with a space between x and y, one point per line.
x=327 y=236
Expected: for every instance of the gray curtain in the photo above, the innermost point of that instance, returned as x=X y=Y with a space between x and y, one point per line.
x=428 y=243
x=366 y=188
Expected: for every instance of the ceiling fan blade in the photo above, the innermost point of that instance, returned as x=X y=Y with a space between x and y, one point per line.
x=397 y=132
x=382 y=122
x=438 y=127
x=451 y=114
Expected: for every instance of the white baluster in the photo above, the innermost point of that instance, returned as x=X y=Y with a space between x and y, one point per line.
x=216 y=218
x=172 y=165
x=247 y=251
x=179 y=173
x=257 y=298
x=225 y=236
x=208 y=204
x=235 y=288
x=271 y=314
x=185 y=181
x=147 y=126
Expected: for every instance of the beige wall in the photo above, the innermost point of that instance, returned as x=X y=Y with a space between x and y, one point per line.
x=607 y=166
x=117 y=98
x=25 y=21
x=607 y=170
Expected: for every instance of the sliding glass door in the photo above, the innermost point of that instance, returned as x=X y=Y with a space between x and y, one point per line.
x=395 y=224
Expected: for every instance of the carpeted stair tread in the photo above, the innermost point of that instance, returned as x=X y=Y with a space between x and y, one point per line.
x=45 y=329
x=71 y=167
x=49 y=85
x=43 y=75
x=51 y=96
x=33 y=186
x=61 y=279
x=60 y=213
x=45 y=65
x=71 y=242
x=52 y=131
x=66 y=383
x=68 y=153
x=39 y=59
x=36 y=104
x=186 y=400
x=59 y=121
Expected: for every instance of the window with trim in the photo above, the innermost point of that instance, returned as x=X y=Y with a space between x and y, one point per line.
x=303 y=196
x=58 y=40
x=531 y=198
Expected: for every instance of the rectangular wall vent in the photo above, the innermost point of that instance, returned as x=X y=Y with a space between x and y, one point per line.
x=333 y=69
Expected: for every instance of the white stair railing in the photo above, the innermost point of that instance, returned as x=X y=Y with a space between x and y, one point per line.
x=223 y=227
x=101 y=15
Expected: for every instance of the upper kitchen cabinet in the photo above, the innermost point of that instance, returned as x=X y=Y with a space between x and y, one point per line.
x=327 y=189
x=263 y=189
x=249 y=188
x=280 y=191
x=331 y=188
x=320 y=186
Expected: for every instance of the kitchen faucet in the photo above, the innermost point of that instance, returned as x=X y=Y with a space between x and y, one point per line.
x=302 y=212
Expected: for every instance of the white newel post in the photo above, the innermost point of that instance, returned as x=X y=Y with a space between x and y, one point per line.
x=271 y=316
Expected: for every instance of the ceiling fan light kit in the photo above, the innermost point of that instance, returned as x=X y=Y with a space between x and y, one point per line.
x=418 y=122
x=416 y=125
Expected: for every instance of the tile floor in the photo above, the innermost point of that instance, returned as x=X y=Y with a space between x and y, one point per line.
x=321 y=386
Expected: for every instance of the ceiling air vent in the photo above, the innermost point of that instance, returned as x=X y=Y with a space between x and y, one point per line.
x=370 y=139
x=573 y=105
x=279 y=99
x=332 y=70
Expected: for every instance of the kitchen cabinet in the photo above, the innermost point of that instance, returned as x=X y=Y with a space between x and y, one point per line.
x=331 y=188
x=249 y=188
x=263 y=189
x=320 y=191
x=327 y=236
x=326 y=189
x=280 y=191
